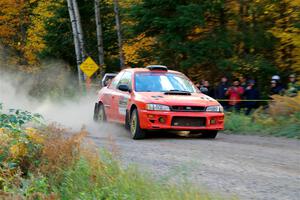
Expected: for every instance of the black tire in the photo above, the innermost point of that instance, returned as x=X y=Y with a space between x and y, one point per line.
x=99 y=113
x=135 y=129
x=96 y=110
x=127 y=121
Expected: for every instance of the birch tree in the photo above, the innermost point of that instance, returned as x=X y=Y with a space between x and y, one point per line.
x=118 y=28
x=79 y=29
x=75 y=38
x=99 y=33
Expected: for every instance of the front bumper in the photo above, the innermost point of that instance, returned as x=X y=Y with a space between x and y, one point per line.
x=152 y=120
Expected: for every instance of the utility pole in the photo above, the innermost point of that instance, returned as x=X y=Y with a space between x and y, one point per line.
x=118 y=27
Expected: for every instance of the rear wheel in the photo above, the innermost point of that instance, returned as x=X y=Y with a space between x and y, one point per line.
x=96 y=110
x=99 y=113
x=135 y=130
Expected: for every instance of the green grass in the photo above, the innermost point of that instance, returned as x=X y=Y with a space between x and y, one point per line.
x=287 y=126
x=113 y=182
x=104 y=179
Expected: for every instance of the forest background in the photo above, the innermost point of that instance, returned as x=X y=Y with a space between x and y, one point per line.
x=205 y=39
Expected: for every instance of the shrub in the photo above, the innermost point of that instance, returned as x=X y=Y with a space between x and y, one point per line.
x=48 y=162
x=281 y=118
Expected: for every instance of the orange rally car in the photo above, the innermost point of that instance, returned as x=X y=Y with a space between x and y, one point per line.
x=155 y=98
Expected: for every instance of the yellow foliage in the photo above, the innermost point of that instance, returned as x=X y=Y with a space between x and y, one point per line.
x=34 y=135
x=11 y=19
x=284 y=105
x=36 y=31
x=18 y=150
x=288 y=35
x=131 y=49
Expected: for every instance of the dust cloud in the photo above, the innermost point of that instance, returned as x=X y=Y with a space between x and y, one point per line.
x=33 y=93
x=73 y=112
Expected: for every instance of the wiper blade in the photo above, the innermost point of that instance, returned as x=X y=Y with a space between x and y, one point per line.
x=179 y=92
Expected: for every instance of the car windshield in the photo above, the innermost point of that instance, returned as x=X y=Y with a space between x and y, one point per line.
x=162 y=82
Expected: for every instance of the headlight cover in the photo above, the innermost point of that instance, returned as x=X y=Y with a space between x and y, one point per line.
x=214 y=109
x=160 y=107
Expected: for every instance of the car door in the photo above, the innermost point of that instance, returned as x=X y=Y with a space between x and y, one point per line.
x=122 y=97
x=109 y=96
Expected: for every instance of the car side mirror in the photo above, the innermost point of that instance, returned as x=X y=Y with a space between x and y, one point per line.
x=105 y=83
x=124 y=88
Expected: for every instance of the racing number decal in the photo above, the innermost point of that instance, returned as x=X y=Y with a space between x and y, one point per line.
x=123 y=105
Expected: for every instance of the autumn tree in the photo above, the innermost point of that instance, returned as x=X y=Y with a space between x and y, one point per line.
x=36 y=31
x=14 y=22
x=287 y=29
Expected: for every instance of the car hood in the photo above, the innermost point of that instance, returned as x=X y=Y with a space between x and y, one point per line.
x=195 y=99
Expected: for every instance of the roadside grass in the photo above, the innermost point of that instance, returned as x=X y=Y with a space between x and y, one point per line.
x=281 y=118
x=263 y=124
x=48 y=162
x=113 y=182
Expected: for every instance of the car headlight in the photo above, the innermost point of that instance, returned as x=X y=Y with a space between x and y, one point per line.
x=214 y=109
x=152 y=106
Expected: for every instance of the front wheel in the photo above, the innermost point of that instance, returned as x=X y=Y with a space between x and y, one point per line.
x=135 y=130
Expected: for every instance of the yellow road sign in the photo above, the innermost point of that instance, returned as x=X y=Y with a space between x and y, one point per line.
x=89 y=67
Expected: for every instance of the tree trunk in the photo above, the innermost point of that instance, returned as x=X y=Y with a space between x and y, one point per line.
x=99 y=34
x=118 y=27
x=75 y=38
x=79 y=30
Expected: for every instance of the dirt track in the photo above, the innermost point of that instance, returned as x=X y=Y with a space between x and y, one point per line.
x=250 y=167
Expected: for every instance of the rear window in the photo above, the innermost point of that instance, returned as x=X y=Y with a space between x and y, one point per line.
x=162 y=82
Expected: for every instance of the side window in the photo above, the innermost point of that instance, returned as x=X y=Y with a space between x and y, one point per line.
x=126 y=79
x=116 y=80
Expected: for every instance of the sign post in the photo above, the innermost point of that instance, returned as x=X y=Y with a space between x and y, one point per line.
x=89 y=67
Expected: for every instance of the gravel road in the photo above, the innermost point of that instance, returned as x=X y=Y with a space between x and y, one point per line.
x=249 y=167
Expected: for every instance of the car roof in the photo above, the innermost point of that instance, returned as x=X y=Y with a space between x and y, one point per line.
x=134 y=70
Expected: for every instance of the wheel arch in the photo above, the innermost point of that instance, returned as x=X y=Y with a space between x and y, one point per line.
x=133 y=106
x=128 y=112
x=128 y=115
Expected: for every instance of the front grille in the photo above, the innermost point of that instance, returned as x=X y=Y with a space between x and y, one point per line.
x=188 y=108
x=188 y=121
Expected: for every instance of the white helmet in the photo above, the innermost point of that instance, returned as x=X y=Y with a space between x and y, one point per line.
x=276 y=77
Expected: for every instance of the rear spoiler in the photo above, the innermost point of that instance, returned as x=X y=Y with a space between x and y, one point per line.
x=107 y=78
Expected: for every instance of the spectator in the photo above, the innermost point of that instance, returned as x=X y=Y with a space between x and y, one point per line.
x=276 y=78
x=235 y=94
x=206 y=89
x=243 y=82
x=203 y=89
x=251 y=93
x=293 y=87
x=198 y=85
x=276 y=88
x=220 y=92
